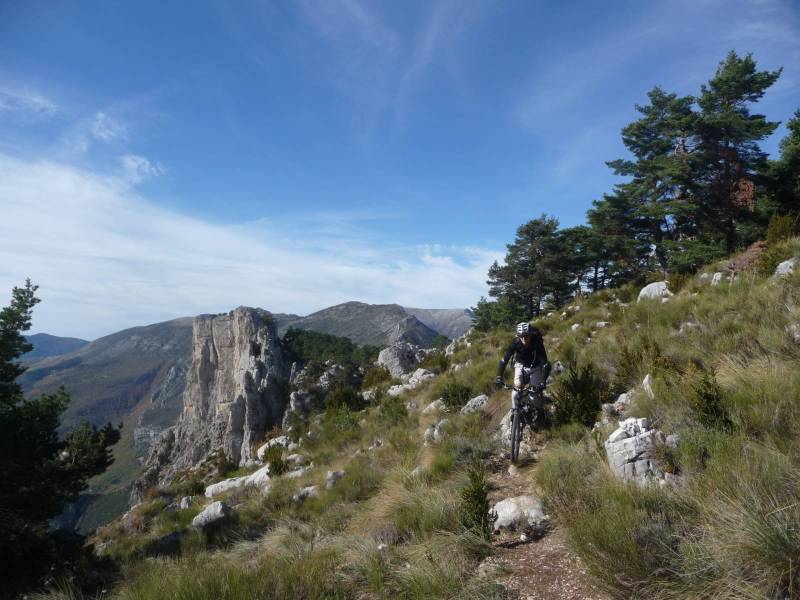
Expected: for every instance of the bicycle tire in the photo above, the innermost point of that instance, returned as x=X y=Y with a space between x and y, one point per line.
x=515 y=436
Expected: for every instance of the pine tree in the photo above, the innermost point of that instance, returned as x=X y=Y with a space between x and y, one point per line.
x=784 y=173
x=534 y=268
x=728 y=157
x=39 y=472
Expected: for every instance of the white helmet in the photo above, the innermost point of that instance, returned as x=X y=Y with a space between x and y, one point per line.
x=523 y=328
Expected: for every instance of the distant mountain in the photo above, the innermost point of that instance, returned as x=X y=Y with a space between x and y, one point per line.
x=45 y=345
x=374 y=324
x=451 y=322
x=136 y=377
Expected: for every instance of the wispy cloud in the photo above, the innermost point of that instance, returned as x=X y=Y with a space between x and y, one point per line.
x=105 y=129
x=138 y=169
x=26 y=104
x=106 y=258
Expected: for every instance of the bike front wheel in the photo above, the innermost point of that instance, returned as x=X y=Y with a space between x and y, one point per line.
x=516 y=435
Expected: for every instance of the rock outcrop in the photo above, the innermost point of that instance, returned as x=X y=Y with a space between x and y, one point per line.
x=235 y=392
x=400 y=358
x=658 y=289
x=631 y=451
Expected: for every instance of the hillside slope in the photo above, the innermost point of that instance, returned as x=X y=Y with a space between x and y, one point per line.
x=393 y=496
x=134 y=377
x=450 y=322
x=46 y=345
x=373 y=324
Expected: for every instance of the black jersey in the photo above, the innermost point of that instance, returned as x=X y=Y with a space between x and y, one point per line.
x=532 y=355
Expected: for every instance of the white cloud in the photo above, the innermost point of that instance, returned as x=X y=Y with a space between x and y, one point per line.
x=27 y=104
x=137 y=169
x=105 y=128
x=106 y=258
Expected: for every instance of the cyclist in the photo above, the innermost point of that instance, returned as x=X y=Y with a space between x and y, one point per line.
x=531 y=362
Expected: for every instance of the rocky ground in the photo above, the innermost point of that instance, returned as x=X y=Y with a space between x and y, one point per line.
x=533 y=567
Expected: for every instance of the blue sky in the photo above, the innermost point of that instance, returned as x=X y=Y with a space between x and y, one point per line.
x=159 y=159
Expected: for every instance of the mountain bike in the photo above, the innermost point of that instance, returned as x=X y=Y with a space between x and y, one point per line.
x=529 y=411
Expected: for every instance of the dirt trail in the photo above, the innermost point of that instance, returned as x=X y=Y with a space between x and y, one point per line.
x=543 y=569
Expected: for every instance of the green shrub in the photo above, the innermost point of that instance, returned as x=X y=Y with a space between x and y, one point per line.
x=344 y=395
x=474 y=507
x=435 y=361
x=707 y=403
x=375 y=377
x=454 y=393
x=393 y=410
x=782 y=227
x=578 y=394
x=274 y=458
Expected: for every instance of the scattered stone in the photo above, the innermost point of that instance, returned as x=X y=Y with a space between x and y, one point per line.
x=575 y=327
x=630 y=452
x=688 y=326
x=786 y=268
x=523 y=513
x=704 y=276
x=647 y=386
x=172 y=507
x=658 y=289
x=793 y=329
x=411 y=406
x=434 y=407
x=440 y=430
x=215 y=489
x=213 y=513
x=475 y=405
x=186 y=502
x=260 y=478
x=665 y=300
x=513 y=471
x=310 y=491
x=376 y=444
x=427 y=437
x=382 y=547
x=523 y=538
x=602 y=324
x=420 y=376
x=717 y=278
x=297 y=459
x=558 y=367
x=418 y=471
x=332 y=477
x=297 y=473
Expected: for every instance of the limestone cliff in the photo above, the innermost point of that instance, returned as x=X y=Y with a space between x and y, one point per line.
x=235 y=392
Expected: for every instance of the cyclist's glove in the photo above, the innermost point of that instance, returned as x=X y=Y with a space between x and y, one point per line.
x=498 y=382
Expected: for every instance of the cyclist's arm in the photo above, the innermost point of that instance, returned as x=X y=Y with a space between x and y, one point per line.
x=506 y=357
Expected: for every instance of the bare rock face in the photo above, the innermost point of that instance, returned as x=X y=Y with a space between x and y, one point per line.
x=235 y=392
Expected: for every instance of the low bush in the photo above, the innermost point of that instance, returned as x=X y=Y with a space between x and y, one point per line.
x=474 y=508
x=375 y=377
x=454 y=393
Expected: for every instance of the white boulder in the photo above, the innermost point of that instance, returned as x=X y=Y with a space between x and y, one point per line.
x=657 y=289
x=332 y=477
x=215 y=489
x=522 y=513
x=399 y=358
x=476 y=404
x=786 y=268
x=213 y=513
x=310 y=491
x=434 y=407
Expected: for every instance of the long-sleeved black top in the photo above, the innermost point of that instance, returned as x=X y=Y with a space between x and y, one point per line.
x=532 y=355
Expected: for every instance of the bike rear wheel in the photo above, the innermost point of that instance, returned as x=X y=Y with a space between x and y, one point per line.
x=516 y=435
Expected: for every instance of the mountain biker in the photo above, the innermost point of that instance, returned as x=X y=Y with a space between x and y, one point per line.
x=531 y=361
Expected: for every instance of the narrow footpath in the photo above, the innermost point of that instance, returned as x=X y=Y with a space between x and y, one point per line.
x=533 y=569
